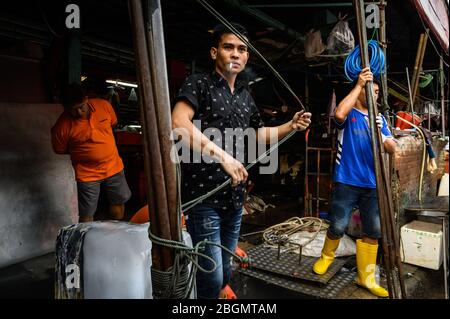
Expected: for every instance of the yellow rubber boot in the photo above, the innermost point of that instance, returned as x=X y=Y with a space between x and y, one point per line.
x=327 y=257
x=366 y=258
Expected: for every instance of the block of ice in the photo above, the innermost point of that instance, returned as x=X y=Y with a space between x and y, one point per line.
x=113 y=260
x=116 y=261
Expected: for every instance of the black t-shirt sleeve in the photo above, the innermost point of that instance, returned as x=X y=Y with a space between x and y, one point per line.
x=256 y=121
x=190 y=92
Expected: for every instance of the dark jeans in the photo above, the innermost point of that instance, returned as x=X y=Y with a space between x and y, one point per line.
x=344 y=199
x=204 y=222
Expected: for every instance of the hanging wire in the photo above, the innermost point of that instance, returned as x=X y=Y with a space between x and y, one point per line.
x=225 y=22
x=44 y=17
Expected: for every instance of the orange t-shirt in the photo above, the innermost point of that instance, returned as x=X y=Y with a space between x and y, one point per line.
x=90 y=142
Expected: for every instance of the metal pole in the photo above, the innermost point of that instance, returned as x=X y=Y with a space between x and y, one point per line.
x=415 y=83
x=306 y=195
x=383 y=188
x=429 y=118
x=416 y=65
x=156 y=49
x=318 y=184
x=159 y=222
x=409 y=94
x=382 y=8
x=445 y=252
x=441 y=76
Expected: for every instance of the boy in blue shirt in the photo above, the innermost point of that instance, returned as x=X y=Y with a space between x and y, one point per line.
x=355 y=184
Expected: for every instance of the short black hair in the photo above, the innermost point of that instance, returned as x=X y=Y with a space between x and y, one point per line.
x=221 y=29
x=72 y=94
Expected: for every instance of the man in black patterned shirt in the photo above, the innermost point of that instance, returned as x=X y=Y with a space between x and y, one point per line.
x=219 y=103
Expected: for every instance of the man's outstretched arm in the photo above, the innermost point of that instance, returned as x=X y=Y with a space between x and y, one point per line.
x=299 y=122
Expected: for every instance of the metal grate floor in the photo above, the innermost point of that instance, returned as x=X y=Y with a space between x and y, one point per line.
x=265 y=259
x=328 y=291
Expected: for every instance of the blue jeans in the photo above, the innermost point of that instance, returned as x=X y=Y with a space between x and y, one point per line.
x=344 y=199
x=204 y=222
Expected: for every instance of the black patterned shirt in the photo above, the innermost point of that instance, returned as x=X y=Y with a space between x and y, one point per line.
x=216 y=109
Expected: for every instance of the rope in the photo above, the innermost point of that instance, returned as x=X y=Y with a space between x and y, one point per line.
x=353 y=63
x=172 y=283
x=284 y=230
x=178 y=286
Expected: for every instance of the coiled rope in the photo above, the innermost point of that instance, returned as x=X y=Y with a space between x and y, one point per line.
x=275 y=233
x=174 y=283
x=353 y=63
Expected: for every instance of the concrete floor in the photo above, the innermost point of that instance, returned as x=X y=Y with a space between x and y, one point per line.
x=35 y=278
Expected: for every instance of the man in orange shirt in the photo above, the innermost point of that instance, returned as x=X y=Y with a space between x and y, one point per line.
x=84 y=130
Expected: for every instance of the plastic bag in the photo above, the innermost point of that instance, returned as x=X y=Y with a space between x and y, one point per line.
x=340 y=40
x=313 y=44
x=347 y=246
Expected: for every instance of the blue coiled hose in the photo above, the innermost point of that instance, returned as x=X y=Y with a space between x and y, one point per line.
x=353 y=64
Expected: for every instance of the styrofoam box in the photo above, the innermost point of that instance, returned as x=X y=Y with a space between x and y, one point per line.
x=421 y=244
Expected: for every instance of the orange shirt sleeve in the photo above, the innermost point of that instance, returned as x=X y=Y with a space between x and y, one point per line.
x=60 y=137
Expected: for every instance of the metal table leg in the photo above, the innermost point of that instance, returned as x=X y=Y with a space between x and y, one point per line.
x=445 y=251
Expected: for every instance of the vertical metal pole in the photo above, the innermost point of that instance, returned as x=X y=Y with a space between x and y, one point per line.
x=409 y=93
x=415 y=84
x=158 y=69
x=318 y=184
x=445 y=252
x=375 y=139
x=384 y=193
x=306 y=195
x=159 y=221
x=441 y=76
x=74 y=57
x=382 y=7
x=429 y=119
x=416 y=67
